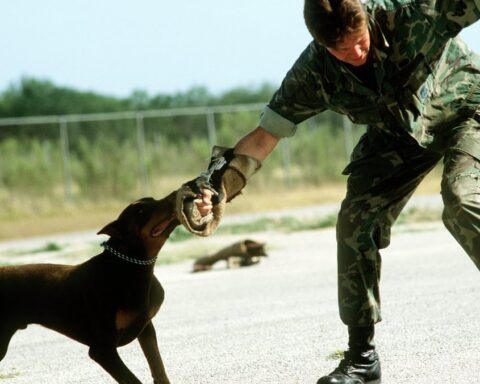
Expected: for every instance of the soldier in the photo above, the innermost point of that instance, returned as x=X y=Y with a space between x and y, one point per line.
x=398 y=67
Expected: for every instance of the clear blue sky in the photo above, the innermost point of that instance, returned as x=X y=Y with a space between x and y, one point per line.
x=160 y=46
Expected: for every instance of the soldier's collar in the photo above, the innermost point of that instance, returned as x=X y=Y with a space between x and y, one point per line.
x=378 y=39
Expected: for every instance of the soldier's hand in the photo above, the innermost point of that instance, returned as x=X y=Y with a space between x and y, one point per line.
x=204 y=203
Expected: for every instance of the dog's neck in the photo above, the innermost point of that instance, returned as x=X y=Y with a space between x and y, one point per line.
x=126 y=256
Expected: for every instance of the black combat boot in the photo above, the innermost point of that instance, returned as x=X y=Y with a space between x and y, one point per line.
x=361 y=364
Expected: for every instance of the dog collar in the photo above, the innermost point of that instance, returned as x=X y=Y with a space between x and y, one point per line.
x=127 y=258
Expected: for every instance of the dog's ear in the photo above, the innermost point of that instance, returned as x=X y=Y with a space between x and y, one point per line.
x=110 y=229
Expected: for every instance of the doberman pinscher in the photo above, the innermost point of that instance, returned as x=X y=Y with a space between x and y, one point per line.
x=105 y=302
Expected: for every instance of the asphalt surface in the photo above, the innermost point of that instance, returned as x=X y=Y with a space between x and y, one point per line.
x=277 y=322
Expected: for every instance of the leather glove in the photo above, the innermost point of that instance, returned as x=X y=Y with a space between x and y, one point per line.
x=226 y=176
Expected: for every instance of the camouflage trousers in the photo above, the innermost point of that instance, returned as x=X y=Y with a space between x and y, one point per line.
x=383 y=174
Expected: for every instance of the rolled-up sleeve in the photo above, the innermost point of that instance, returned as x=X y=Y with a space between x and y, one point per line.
x=298 y=98
x=276 y=124
x=452 y=15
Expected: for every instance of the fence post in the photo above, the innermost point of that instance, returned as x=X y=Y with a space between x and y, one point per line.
x=347 y=134
x=212 y=130
x=67 y=172
x=143 y=178
x=287 y=180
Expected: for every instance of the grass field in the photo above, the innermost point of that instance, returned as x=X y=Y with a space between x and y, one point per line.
x=91 y=216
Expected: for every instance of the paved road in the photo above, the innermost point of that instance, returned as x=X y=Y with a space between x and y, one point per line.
x=277 y=323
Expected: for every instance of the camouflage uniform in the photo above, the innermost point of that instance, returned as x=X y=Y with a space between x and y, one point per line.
x=423 y=107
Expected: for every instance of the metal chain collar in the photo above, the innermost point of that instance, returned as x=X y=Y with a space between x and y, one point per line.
x=127 y=258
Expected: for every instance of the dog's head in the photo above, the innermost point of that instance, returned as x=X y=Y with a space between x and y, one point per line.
x=254 y=248
x=144 y=225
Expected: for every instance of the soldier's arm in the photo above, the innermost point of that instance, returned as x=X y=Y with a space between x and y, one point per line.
x=452 y=15
x=258 y=144
x=300 y=96
x=230 y=168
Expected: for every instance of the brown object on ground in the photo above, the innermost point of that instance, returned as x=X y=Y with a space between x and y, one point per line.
x=241 y=254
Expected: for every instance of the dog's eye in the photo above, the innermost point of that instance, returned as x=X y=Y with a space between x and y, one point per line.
x=143 y=215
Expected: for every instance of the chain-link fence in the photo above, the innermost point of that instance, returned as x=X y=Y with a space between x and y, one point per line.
x=75 y=158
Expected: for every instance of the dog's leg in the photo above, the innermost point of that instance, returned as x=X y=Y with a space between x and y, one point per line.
x=148 y=342
x=109 y=359
x=6 y=333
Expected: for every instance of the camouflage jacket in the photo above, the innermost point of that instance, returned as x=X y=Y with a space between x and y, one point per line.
x=426 y=77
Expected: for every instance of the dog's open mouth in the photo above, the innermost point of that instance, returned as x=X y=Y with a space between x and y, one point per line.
x=158 y=229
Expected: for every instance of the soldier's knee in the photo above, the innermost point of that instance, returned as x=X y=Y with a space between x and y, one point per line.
x=461 y=191
x=365 y=233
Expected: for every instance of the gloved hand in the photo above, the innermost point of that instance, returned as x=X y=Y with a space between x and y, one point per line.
x=225 y=177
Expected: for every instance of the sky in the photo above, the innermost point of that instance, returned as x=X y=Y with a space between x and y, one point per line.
x=114 y=47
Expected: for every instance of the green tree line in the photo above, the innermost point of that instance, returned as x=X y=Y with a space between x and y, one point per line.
x=35 y=97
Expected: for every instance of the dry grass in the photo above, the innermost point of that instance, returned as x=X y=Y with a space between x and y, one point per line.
x=331 y=193
x=94 y=217
x=63 y=220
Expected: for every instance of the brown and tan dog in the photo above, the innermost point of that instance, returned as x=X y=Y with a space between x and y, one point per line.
x=105 y=302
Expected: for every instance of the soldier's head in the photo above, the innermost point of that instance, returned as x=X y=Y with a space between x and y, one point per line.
x=341 y=26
